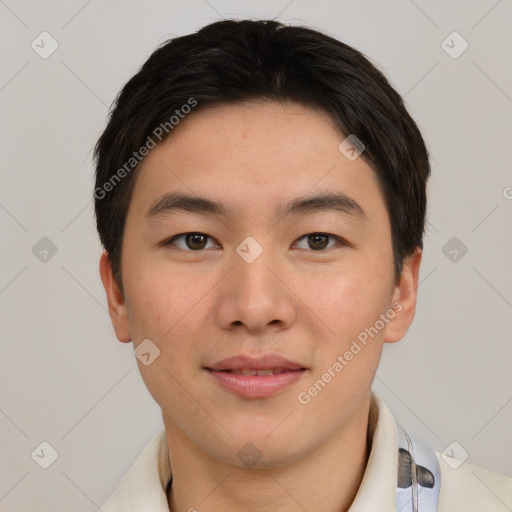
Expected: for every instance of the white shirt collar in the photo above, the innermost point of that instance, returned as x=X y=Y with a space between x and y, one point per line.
x=144 y=486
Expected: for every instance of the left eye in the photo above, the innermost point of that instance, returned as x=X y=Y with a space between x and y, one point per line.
x=318 y=241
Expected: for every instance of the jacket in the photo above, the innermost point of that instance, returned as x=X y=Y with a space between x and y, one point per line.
x=464 y=487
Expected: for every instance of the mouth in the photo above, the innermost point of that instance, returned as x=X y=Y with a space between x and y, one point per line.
x=253 y=371
x=260 y=377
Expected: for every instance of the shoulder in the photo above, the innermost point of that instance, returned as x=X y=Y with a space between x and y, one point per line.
x=143 y=486
x=113 y=504
x=473 y=488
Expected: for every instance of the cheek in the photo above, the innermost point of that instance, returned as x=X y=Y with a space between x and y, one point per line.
x=160 y=302
x=348 y=303
x=164 y=309
x=351 y=306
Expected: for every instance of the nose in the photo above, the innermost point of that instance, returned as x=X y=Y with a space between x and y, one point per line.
x=255 y=296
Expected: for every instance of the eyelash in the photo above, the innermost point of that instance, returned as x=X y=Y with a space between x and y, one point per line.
x=171 y=240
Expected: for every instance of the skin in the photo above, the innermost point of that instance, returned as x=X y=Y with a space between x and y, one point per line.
x=307 y=305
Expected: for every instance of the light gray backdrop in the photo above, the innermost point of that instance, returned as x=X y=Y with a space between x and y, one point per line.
x=66 y=381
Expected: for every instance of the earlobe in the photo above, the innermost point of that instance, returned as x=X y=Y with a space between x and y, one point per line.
x=115 y=299
x=404 y=297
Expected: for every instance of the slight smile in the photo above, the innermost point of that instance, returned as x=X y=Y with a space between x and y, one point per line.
x=259 y=377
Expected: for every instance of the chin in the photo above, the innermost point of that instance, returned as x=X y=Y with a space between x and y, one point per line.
x=263 y=451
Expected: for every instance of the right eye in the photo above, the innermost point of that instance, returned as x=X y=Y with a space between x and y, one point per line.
x=190 y=241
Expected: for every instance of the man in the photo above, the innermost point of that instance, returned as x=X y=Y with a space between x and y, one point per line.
x=260 y=195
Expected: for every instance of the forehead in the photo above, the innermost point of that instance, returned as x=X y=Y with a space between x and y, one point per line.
x=254 y=155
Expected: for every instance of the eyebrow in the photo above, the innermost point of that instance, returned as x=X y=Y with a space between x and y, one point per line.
x=175 y=202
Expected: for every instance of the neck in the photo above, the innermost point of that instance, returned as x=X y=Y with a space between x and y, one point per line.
x=326 y=480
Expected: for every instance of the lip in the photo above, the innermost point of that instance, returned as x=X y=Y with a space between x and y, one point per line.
x=263 y=362
x=256 y=386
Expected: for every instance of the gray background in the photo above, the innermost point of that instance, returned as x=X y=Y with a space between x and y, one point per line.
x=65 y=378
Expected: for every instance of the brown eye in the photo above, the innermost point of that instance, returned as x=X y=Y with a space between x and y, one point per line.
x=318 y=241
x=195 y=241
x=191 y=241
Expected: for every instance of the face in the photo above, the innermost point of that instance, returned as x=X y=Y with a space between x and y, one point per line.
x=285 y=274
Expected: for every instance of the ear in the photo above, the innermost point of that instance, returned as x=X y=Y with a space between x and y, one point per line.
x=116 y=302
x=404 y=298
